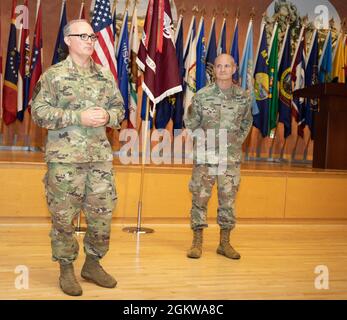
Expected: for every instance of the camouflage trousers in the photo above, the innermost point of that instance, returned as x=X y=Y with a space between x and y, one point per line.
x=71 y=188
x=201 y=184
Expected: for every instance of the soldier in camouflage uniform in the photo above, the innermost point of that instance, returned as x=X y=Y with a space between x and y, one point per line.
x=75 y=100
x=221 y=106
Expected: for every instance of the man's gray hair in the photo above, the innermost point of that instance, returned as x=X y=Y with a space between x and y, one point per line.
x=67 y=28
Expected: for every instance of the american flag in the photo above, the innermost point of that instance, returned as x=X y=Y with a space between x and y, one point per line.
x=104 y=52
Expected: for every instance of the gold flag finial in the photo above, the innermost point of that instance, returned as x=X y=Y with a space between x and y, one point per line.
x=225 y=13
x=195 y=9
x=252 y=14
x=238 y=13
x=203 y=11
x=331 y=23
x=182 y=9
x=214 y=12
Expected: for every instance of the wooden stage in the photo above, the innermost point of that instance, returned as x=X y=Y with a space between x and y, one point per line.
x=278 y=262
x=269 y=191
x=292 y=225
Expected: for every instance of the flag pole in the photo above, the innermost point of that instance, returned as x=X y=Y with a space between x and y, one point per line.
x=158 y=47
x=138 y=228
x=78 y=229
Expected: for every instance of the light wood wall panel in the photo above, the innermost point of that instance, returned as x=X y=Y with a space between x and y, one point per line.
x=271 y=194
x=316 y=197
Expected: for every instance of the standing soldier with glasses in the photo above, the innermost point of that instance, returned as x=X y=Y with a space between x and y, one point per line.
x=75 y=100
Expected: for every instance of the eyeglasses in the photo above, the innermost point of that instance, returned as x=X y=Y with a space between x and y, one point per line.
x=85 y=37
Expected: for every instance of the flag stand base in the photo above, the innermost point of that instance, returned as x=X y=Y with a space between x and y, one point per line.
x=138 y=230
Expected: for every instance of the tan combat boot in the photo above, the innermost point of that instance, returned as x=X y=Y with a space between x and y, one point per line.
x=224 y=247
x=196 y=249
x=67 y=280
x=93 y=271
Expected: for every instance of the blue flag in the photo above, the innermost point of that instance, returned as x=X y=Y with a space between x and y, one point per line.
x=234 y=52
x=61 y=50
x=143 y=109
x=123 y=64
x=310 y=80
x=163 y=112
x=177 y=115
x=285 y=90
x=326 y=61
x=211 y=52
x=222 y=46
x=247 y=58
x=247 y=67
x=261 y=86
x=201 y=57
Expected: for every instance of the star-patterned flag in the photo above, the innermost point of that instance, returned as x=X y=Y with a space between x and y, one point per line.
x=11 y=74
x=36 y=56
x=104 y=52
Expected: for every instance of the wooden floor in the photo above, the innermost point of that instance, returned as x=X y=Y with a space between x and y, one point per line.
x=278 y=262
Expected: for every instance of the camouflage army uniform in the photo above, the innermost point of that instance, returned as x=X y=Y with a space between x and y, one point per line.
x=79 y=158
x=215 y=109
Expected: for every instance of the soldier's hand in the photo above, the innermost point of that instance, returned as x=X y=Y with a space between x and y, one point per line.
x=94 y=117
x=101 y=116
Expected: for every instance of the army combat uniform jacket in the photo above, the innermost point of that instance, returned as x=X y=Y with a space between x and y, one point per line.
x=61 y=94
x=215 y=109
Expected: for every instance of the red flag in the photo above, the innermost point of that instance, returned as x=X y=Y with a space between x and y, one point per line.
x=36 y=56
x=157 y=53
x=104 y=53
x=11 y=73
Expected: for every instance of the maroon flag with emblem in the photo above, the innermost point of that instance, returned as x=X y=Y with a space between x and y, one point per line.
x=157 y=53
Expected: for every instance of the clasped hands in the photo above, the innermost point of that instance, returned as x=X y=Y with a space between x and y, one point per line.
x=94 y=117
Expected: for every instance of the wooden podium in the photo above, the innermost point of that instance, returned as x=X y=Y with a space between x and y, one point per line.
x=330 y=143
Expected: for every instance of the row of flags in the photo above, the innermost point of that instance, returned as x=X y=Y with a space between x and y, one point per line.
x=278 y=73
x=23 y=69
x=174 y=71
x=21 y=73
